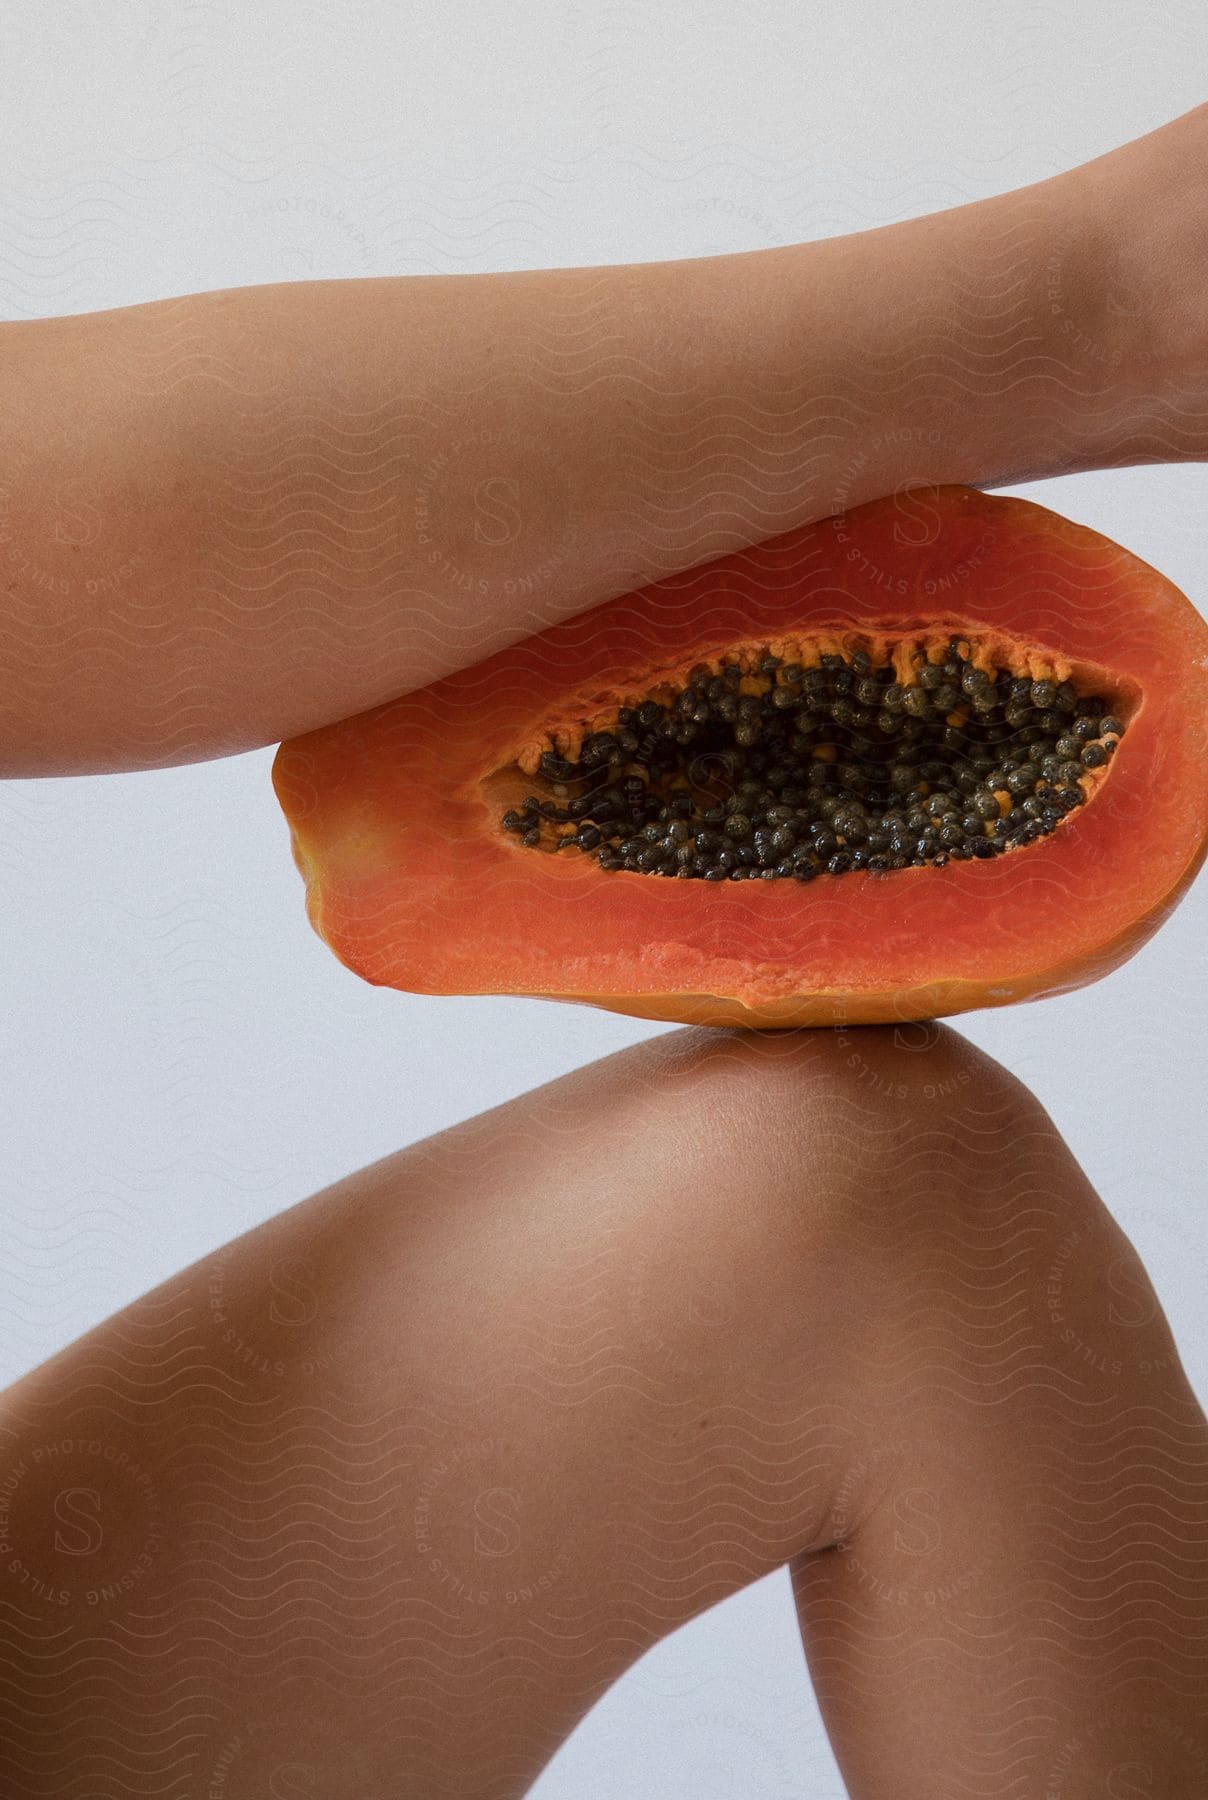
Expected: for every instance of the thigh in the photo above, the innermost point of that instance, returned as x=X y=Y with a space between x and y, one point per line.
x=378 y=1499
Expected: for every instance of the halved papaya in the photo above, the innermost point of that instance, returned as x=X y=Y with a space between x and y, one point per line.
x=947 y=750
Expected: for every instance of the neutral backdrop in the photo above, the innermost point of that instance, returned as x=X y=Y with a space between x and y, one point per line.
x=181 y=1056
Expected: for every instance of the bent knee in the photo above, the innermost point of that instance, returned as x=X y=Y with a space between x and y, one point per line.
x=928 y=1179
x=941 y=1193
x=855 y=1114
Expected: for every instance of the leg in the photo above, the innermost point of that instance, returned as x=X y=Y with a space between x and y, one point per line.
x=379 y=1499
x=329 y=492
x=1013 y=1601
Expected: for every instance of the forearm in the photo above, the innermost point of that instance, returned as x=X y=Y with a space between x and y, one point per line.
x=228 y=518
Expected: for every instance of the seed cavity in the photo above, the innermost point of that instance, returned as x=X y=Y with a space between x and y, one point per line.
x=763 y=768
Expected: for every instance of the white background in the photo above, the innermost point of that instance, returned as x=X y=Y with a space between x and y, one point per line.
x=181 y=1056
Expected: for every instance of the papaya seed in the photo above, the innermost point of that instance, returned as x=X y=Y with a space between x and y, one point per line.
x=760 y=767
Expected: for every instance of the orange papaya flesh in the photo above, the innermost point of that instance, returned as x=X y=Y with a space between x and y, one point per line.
x=413 y=882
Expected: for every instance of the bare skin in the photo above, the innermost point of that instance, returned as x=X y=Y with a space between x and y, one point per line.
x=378 y=1500
x=234 y=516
